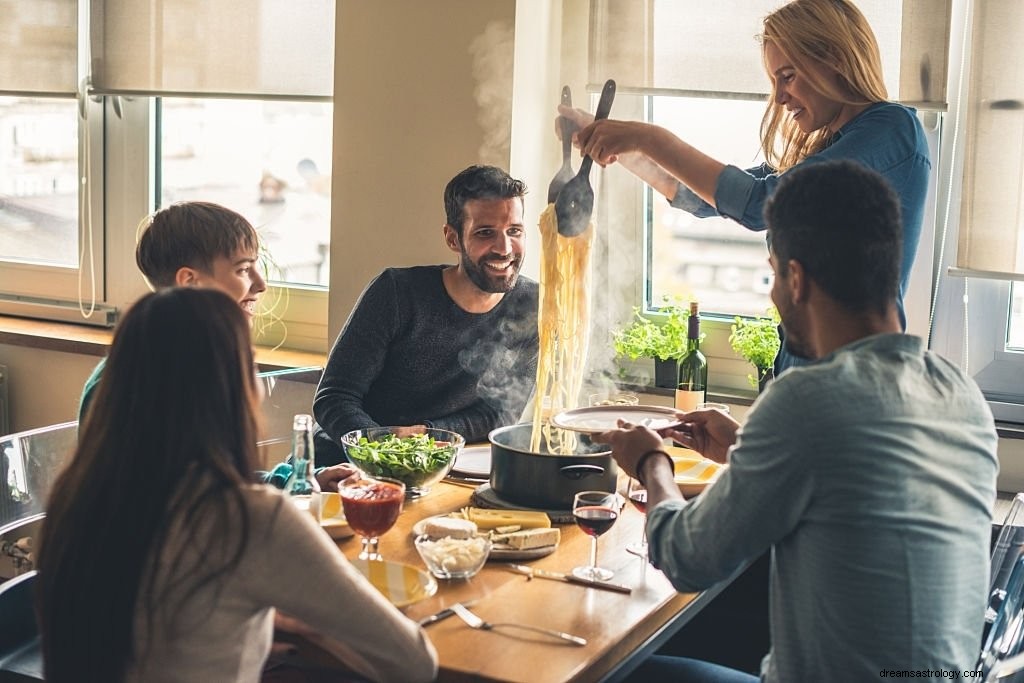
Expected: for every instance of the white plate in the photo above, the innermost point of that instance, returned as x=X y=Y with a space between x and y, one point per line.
x=474 y=461
x=498 y=553
x=597 y=419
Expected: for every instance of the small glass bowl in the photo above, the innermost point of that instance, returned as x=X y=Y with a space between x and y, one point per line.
x=453 y=558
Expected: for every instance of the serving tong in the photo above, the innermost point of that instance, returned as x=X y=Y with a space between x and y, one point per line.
x=575 y=201
x=473 y=621
x=565 y=173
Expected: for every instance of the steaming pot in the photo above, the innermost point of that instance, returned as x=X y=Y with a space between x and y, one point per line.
x=542 y=480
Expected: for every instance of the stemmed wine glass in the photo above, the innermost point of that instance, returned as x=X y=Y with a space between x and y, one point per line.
x=594 y=512
x=637 y=494
x=372 y=506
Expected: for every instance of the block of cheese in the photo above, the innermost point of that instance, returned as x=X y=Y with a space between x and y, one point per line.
x=530 y=538
x=491 y=519
x=449 y=527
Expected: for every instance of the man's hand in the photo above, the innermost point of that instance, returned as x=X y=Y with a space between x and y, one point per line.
x=577 y=117
x=628 y=443
x=330 y=477
x=411 y=430
x=709 y=432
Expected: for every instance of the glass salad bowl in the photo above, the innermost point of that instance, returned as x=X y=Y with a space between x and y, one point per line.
x=419 y=457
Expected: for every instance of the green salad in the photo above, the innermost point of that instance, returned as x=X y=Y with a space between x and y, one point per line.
x=412 y=460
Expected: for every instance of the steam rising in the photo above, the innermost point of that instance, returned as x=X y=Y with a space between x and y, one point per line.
x=614 y=257
x=492 y=53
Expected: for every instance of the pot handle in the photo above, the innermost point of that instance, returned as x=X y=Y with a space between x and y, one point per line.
x=577 y=472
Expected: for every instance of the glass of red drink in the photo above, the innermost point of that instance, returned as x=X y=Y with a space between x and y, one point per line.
x=637 y=494
x=594 y=512
x=372 y=506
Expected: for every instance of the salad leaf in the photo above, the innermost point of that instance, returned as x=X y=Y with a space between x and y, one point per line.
x=413 y=460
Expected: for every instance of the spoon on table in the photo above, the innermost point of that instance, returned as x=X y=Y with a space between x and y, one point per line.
x=575 y=202
x=565 y=173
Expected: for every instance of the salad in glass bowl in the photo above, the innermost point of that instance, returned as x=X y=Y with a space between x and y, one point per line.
x=418 y=457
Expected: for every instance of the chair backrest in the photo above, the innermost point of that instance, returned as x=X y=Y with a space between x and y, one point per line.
x=1009 y=544
x=285 y=393
x=1006 y=634
x=21 y=656
x=1010 y=670
x=29 y=463
x=17 y=614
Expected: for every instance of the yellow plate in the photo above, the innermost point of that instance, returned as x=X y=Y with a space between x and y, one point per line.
x=402 y=584
x=693 y=471
x=332 y=518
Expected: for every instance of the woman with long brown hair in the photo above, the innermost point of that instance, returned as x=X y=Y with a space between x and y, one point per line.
x=159 y=560
x=828 y=102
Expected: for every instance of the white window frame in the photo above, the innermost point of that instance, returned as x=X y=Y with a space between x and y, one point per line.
x=48 y=284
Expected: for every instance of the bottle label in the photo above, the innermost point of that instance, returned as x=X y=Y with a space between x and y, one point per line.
x=688 y=400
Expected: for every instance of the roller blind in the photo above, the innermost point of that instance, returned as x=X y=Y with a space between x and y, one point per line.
x=992 y=206
x=705 y=47
x=223 y=48
x=39 y=53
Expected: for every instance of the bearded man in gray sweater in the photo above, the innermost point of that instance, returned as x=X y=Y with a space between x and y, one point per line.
x=446 y=346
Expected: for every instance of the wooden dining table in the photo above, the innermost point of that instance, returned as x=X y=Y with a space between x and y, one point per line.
x=621 y=629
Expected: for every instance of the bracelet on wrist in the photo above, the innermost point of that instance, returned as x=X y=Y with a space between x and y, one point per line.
x=642 y=460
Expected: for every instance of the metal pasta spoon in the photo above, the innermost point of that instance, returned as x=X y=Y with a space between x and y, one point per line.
x=575 y=202
x=565 y=173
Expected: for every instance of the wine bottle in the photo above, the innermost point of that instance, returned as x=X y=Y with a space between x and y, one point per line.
x=692 y=386
x=303 y=487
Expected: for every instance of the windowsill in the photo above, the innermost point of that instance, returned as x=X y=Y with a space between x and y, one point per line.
x=714 y=395
x=95 y=341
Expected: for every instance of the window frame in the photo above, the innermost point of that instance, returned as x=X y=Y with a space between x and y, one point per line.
x=132 y=137
x=24 y=283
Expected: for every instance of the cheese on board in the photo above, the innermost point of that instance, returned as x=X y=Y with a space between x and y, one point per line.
x=449 y=527
x=492 y=519
x=529 y=538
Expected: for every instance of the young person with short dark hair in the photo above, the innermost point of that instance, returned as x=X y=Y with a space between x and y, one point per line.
x=206 y=245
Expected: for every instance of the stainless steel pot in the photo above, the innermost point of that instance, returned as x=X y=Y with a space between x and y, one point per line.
x=542 y=480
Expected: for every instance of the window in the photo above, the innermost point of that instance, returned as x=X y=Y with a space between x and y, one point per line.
x=168 y=100
x=716 y=260
x=979 y=313
x=268 y=160
x=39 y=182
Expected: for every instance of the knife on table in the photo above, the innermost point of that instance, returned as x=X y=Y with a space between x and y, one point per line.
x=569 y=578
x=444 y=614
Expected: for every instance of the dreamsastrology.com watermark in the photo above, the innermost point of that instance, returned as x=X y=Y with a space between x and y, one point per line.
x=951 y=674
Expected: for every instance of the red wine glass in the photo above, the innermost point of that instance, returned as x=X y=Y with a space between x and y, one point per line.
x=594 y=512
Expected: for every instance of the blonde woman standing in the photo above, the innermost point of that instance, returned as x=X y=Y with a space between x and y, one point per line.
x=828 y=101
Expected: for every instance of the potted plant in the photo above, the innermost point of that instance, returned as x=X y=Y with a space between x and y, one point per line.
x=757 y=340
x=664 y=342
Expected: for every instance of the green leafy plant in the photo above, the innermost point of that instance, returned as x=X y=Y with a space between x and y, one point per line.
x=757 y=340
x=645 y=338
